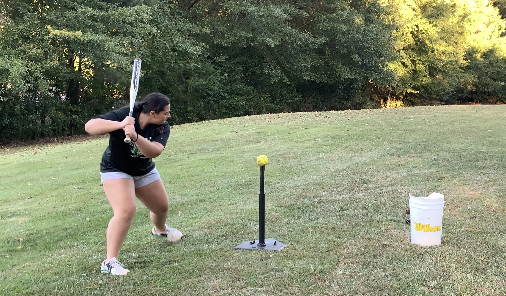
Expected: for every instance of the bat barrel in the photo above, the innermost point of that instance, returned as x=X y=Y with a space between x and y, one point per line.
x=134 y=86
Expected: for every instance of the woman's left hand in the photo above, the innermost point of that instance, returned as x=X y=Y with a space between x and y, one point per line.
x=130 y=132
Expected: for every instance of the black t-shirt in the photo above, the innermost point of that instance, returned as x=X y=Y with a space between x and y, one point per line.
x=126 y=157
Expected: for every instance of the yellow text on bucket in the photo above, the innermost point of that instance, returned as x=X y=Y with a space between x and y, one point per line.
x=426 y=227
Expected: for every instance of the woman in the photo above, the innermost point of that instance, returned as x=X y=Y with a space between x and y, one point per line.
x=127 y=171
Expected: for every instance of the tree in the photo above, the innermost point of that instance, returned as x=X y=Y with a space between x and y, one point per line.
x=64 y=60
x=436 y=41
x=299 y=55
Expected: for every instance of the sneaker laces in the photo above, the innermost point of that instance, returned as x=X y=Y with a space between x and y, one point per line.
x=114 y=262
x=115 y=265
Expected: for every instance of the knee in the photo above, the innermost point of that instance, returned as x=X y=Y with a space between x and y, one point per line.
x=125 y=213
x=161 y=209
x=164 y=208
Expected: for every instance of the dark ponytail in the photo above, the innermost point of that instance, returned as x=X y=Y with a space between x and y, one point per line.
x=138 y=107
x=152 y=102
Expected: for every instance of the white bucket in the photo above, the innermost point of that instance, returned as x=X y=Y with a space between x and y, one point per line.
x=426 y=215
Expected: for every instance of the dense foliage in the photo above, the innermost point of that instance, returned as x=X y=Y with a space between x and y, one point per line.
x=62 y=61
x=449 y=52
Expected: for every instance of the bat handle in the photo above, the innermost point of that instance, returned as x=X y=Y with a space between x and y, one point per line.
x=127 y=138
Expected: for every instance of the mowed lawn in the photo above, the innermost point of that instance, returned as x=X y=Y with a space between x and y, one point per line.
x=337 y=189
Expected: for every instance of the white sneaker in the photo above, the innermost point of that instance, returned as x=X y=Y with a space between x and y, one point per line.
x=113 y=267
x=173 y=235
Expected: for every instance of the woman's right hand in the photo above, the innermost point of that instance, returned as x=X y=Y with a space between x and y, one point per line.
x=129 y=120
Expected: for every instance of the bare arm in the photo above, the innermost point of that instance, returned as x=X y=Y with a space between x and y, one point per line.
x=99 y=126
x=148 y=148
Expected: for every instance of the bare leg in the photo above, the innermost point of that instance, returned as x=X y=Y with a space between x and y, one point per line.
x=121 y=196
x=155 y=198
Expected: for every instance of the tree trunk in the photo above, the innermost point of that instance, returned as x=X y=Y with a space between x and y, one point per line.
x=188 y=4
x=72 y=93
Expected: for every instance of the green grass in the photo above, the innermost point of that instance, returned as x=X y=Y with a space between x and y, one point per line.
x=337 y=187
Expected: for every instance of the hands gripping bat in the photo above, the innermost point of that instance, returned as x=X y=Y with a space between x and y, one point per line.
x=134 y=87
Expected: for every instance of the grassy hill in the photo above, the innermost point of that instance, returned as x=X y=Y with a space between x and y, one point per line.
x=337 y=188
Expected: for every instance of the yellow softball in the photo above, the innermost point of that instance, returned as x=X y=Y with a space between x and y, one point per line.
x=262 y=160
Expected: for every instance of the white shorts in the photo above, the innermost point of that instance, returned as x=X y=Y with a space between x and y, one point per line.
x=139 y=181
